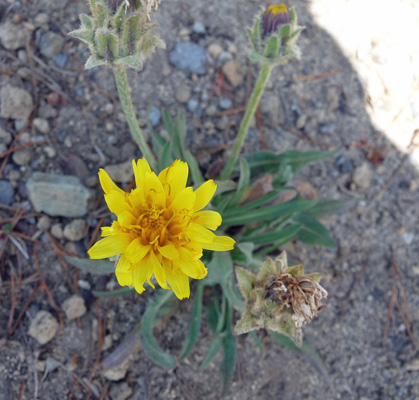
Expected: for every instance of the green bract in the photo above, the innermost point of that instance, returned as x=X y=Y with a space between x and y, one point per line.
x=117 y=34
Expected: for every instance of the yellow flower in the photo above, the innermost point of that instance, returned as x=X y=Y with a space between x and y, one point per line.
x=161 y=229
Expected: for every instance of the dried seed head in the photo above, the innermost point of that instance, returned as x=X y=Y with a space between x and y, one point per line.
x=151 y=4
x=301 y=293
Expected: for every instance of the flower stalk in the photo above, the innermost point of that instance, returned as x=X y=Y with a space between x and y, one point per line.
x=120 y=73
x=273 y=40
x=252 y=105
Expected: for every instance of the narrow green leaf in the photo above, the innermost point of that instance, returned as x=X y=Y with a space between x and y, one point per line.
x=94 y=267
x=228 y=364
x=213 y=350
x=112 y=293
x=165 y=158
x=258 y=343
x=268 y=213
x=134 y=61
x=225 y=186
x=325 y=208
x=251 y=205
x=245 y=248
x=244 y=175
x=271 y=237
x=232 y=293
x=197 y=177
x=85 y=35
x=195 y=326
x=314 y=232
x=93 y=61
x=150 y=346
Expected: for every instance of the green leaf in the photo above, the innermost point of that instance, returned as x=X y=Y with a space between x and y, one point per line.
x=219 y=268
x=228 y=364
x=150 y=346
x=94 y=267
x=195 y=326
x=213 y=350
x=314 y=232
x=112 y=293
x=85 y=35
x=325 y=208
x=244 y=248
x=197 y=177
x=224 y=186
x=231 y=292
x=258 y=343
x=251 y=205
x=244 y=175
x=93 y=61
x=268 y=213
x=165 y=156
x=281 y=234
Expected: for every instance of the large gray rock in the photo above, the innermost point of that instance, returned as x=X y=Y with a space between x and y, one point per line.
x=190 y=57
x=15 y=103
x=59 y=195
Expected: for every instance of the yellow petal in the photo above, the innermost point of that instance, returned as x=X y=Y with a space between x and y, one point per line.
x=159 y=272
x=204 y=194
x=220 y=243
x=153 y=190
x=117 y=202
x=174 y=178
x=107 y=183
x=199 y=233
x=136 y=198
x=136 y=251
x=126 y=219
x=123 y=271
x=169 y=251
x=110 y=246
x=209 y=219
x=179 y=283
x=184 y=200
x=193 y=268
x=140 y=273
x=140 y=169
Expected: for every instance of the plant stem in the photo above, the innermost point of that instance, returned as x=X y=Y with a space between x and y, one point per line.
x=258 y=90
x=121 y=79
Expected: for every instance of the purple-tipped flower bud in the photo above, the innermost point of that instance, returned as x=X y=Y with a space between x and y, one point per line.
x=274 y=17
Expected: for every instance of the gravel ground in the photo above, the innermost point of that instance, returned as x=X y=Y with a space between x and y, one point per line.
x=356 y=88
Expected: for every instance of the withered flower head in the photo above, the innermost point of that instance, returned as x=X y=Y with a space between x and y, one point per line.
x=279 y=298
x=274 y=17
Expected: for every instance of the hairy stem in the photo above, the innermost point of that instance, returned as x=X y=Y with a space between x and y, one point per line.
x=258 y=90
x=121 y=79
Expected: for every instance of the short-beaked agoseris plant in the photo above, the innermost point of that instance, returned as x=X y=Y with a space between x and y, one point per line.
x=279 y=298
x=119 y=32
x=274 y=35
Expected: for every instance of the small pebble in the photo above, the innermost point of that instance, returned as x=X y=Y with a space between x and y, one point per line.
x=57 y=231
x=6 y=192
x=43 y=327
x=44 y=223
x=362 y=176
x=75 y=230
x=192 y=105
x=214 y=50
x=155 y=116
x=226 y=103
x=23 y=157
x=5 y=137
x=183 y=94
x=42 y=125
x=198 y=27
x=233 y=72
x=74 y=307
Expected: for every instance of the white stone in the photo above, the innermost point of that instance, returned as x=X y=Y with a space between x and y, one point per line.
x=43 y=327
x=74 y=307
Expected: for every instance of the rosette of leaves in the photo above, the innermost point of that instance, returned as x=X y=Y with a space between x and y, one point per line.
x=118 y=33
x=274 y=35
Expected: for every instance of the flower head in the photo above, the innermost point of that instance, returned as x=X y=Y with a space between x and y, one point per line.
x=274 y=17
x=279 y=298
x=161 y=228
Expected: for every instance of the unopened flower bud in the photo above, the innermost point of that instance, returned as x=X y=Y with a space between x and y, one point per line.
x=274 y=17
